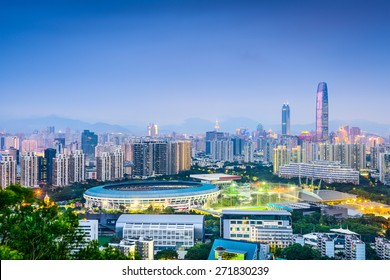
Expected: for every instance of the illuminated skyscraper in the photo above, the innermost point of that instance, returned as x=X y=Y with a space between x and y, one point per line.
x=322 y=113
x=286 y=119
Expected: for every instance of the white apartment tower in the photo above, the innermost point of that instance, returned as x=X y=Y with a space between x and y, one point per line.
x=61 y=170
x=29 y=170
x=7 y=171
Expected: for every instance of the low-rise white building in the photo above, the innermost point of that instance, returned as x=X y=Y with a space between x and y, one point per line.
x=270 y=227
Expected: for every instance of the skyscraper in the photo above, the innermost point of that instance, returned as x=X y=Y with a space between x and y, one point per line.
x=89 y=141
x=50 y=154
x=322 y=113
x=29 y=170
x=7 y=171
x=285 y=119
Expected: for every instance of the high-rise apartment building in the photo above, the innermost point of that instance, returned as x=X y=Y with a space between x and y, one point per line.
x=61 y=170
x=322 y=113
x=355 y=249
x=221 y=150
x=29 y=170
x=249 y=151
x=281 y=158
x=110 y=165
x=7 y=171
x=77 y=167
x=384 y=168
x=286 y=119
x=382 y=248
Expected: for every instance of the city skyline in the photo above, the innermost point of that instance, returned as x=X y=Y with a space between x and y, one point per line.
x=135 y=63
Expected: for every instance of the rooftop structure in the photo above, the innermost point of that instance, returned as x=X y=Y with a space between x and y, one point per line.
x=325 y=196
x=218 y=179
x=238 y=250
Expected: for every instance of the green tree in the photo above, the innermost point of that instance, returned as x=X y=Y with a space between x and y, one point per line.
x=92 y=252
x=166 y=255
x=371 y=254
x=169 y=210
x=200 y=251
x=299 y=252
x=387 y=234
x=34 y=228
x=7 y=253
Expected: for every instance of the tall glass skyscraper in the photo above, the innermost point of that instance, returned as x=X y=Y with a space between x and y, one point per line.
x=322 y=113
x=285 y=119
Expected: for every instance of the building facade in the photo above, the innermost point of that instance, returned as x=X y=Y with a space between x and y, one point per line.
x=167 y=231
x=270 y=227
x=7 y=171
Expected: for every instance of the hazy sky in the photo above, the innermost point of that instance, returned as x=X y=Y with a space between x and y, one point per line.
x=165 y=61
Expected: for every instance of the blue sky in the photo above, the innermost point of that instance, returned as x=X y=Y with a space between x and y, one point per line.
x=136 y=62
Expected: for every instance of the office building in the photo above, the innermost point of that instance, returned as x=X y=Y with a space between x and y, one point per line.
x=49 y=156
x=286 y=119
x=167 y=231
x=270 y=227
x=29 y=170
x=89 y=141
x=322 y=113
x=7 y=171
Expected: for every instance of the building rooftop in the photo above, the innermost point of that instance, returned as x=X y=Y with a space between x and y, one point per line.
x=215 y=177
x=155 y=218
x=343 y=231
x=257 y=212
x=325 y=195
x=248 y=249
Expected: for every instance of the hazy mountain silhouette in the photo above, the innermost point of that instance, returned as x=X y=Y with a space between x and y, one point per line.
x=191 y=125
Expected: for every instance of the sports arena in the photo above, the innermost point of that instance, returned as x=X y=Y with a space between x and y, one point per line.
x=158 y=194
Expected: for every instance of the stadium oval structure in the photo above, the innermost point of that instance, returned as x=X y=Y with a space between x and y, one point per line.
x=179 y=195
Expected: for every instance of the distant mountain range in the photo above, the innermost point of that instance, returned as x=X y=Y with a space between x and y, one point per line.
x=191 y=125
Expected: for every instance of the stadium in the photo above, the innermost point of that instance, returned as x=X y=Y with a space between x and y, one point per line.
x=158 y=194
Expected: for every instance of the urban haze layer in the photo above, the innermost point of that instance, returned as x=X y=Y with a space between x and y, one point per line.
x=195 y=168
